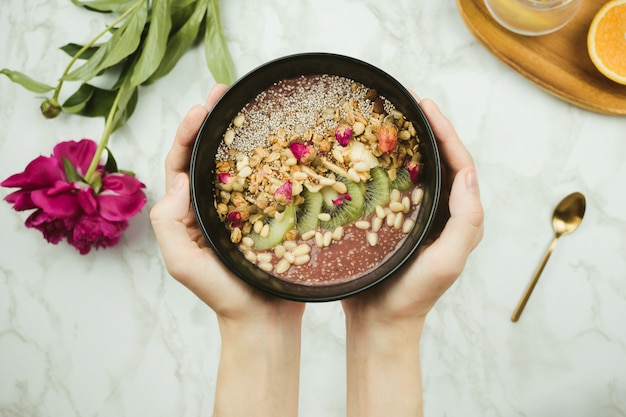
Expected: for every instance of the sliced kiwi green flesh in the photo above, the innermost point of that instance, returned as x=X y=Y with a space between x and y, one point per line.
x=307 y=212
x=402 y=181
x=375 y=190
x=343 y=208
x=277 y=230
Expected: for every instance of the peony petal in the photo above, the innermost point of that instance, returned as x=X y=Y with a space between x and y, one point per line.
x=120 y=207
x=53 y=229
x=57 y=203
x=95 y=232
x=79 y=154
x=21 y=200
x=122 y=184
x=41 y=172
x=87 y=201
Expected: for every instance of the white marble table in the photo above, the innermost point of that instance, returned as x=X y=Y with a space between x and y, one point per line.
x=111 y=334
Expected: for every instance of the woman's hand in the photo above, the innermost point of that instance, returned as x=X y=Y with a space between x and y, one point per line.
x=384 y=324
x=260 y=357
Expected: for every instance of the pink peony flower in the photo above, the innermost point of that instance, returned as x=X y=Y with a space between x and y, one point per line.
x=89 y=216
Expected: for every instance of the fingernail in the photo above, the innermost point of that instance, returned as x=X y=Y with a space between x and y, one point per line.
x=471 y=181
x=177 y=184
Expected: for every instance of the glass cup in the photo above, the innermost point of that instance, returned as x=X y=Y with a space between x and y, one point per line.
x=533 y=17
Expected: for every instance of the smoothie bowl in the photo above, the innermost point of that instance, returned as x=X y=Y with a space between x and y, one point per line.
x=316 y=176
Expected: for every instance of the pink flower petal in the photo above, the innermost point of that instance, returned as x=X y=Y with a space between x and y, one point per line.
x=79 y=154
x=39 y=173
x=60 y=202
x=343 y=133
x=283 y=194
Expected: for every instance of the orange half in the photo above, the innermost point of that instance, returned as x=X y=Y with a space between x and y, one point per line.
x=606 y=40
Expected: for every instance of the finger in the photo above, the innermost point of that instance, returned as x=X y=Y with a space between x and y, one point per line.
x=167 y=217
x=453 y=151
x=178 y=157
x=446 y=257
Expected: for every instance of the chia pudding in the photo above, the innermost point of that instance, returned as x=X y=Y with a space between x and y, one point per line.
x=318 y=179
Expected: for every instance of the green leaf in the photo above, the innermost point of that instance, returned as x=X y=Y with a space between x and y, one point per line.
x=77 y=101
x=119 y=6
x=154 y=46
x=127 y=109
x=124 y=42
x=70 y=171
x=216 y=52
x=111 y=164
x=181 y=41
x=26 y=82
x=73 y=48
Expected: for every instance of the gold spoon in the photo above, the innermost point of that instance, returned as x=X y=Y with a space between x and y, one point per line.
x=567 y=216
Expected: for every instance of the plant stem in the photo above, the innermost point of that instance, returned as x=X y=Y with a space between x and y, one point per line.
x=104 y=139
x=88 y=45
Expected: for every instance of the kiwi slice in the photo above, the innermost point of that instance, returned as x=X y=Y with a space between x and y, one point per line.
x=307 y=212
x=278 y=230
x=402 y=181
x=343 y=209
x=376 y=190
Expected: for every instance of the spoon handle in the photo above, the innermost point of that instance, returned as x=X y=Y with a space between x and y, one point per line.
x=531 y=286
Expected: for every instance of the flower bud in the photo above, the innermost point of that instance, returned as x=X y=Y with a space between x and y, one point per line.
x=283 y=194
x=387 y=138
x=414 y=171
x=303 y=152
x=50 y=108
x=343 y=133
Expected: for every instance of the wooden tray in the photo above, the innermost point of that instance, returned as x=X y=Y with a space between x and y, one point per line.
x=558 y=62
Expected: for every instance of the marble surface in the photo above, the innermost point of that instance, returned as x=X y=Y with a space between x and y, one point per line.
x=111 y=334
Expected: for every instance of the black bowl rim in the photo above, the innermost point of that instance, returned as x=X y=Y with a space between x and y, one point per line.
x=332 y=296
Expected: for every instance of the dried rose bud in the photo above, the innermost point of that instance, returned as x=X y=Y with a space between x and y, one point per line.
x=304 y=153
x=342 y=199
x=283 y=194
x=338 y=201
x=234 y=216
x=414 y=171
x=343 y=133
x=225 y=178
x=387 y=138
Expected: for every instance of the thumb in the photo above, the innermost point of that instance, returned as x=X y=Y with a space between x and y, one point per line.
x=464 y=228
x=168 y=221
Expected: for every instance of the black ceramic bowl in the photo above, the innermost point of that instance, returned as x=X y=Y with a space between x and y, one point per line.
x=202 y=171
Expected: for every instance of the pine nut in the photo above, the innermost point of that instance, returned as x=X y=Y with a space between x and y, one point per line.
x=416 y=196
x=308 y=235
x=258 y=226
x=289 y=257
x=362 y=224
x=396 y=206
x=290 y=244
x=264 y=257
x=353 y=175
x=324 y=217
x=372 y=238
x=380 y=212
x=395 y=195
x=398 y=221
x=338 y=233
x=319 y=240
x=250 y=256
x=327 y=181
x=229 y=137
x=377 y=223
x=407 y=226
x=291 y=162
x=299 y=176
x=247 y=241
x=302 y=260
x=340 y=187
x=328 y=238
x=406 y=202
x=265 y=231
x=279 y=251
x=279 y=215
x=239 y=120
x=282 y=266
x=391 y=217
x=301 y=249
x=266 y=266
